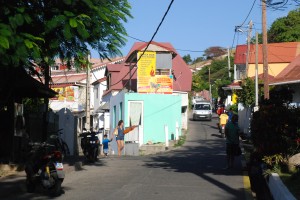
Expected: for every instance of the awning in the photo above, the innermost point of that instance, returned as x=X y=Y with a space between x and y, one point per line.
x=15 y=82
x=103 y=108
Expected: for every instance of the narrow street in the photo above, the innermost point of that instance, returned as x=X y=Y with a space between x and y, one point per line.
x=194 y=171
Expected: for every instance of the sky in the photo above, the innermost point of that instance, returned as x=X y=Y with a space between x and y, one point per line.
x=195 y=24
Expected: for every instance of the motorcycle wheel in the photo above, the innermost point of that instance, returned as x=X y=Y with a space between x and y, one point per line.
x=95 y=154
x=55 y=190
x=30 y=186
x=222 y=133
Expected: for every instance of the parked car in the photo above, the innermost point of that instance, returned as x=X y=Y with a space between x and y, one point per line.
x=202 y=110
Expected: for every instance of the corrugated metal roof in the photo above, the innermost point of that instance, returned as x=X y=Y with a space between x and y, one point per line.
x=277 y=53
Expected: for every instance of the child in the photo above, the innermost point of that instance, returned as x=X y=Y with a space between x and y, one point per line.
x=105 y=144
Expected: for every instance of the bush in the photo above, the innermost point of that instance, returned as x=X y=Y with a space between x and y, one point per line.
x=275 y=127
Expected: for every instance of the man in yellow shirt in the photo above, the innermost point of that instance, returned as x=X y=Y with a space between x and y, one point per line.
x=223 y=121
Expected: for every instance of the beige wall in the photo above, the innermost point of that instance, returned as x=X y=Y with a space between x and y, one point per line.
x=274 y=69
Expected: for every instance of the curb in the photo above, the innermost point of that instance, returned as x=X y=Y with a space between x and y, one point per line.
x=246 y=179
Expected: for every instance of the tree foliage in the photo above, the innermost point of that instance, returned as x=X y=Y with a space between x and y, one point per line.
x=246 y=95
x=213 y=52
x=42 y=30
x=275 y=127
x=219 y=77
x=198 y=59
x=187 y=58
x=286 y=29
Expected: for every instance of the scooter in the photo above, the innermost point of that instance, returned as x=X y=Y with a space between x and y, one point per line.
x=222 y=130
x=45 y=168
x=90 y=145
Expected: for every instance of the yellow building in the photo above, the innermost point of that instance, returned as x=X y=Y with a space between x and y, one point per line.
x=280 y=55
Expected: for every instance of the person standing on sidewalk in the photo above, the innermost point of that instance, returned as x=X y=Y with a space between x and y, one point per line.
x=232 y=141
x=120 y=135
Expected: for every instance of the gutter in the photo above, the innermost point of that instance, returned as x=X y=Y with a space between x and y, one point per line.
x=285 y=83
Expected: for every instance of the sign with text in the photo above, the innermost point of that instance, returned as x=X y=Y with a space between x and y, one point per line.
x=64 y=93
x=148 y=81
x=160 y=84
x=146 y=69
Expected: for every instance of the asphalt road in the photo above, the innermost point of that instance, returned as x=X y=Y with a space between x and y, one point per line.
x=194 y=171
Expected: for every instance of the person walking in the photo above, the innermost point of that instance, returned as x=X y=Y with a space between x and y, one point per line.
x=105 y=144
x=232 y=141
x=120 y=135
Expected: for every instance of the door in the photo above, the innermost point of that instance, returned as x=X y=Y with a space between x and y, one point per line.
x=135 y=118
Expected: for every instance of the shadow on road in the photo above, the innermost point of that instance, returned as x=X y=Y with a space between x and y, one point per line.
x=204 y=160
x=14 y=186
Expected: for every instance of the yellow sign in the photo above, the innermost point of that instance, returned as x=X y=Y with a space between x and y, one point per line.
x=146 y=69
x=146 y=64
x=64 y=93
x=160 y=84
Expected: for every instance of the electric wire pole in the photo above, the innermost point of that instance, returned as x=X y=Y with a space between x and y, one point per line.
x=265 y=49
x=88 y=100
x=228 y=57
x=248 y=45
x=256 y=69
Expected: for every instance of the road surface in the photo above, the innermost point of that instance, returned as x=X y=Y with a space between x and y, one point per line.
x=195 y=171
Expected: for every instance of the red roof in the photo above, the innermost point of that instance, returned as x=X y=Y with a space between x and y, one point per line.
x=277 y=53
x=261 y=77
x=290 y=74
x=120 y=78
x=182 y=74
x=139 y=46
x=68 y=78
x=99 y=81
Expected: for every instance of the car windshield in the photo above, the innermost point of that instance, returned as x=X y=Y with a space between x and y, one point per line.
x=202 y=107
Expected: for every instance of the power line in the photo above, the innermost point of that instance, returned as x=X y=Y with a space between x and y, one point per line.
x=162 y=20
x=249 y=12
x=237 y=27
x=188 y=50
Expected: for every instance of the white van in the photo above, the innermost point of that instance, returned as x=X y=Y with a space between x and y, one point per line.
x=202 y=110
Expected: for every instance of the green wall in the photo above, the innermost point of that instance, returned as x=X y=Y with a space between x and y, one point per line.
x=159 y=110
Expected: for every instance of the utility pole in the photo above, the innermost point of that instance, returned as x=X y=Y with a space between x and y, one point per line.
x=256 y=70
x=228 y=57
x=265 y=49
x=210 y=96
x=248 y=45
x=88 y=100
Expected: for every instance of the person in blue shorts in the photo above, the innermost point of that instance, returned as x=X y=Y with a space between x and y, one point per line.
x=105 y=144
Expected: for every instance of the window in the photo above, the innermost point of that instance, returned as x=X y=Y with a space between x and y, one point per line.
x=121 y=110
x=202 y=107
x=240 y=71
x=53 y=68
x=97 y=92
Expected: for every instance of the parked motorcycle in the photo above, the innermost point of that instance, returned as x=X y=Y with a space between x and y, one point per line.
x=59 y=143
x=90 y=145
x=44 y=167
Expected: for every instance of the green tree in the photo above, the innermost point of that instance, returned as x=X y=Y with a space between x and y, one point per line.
x=286 y=29
x=246 y=95
x=187 y=58
x=198 y=59
x=42 y=30
x=219 y=77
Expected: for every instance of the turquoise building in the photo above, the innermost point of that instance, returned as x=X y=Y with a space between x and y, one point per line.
x=151 y=112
